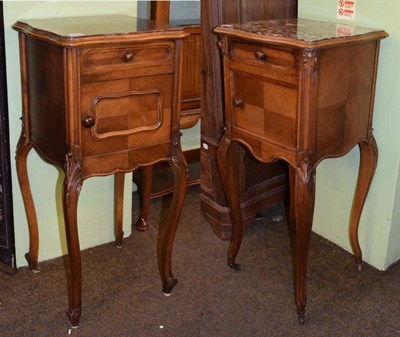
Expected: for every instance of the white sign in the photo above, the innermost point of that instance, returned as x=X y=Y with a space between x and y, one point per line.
x=346 y=9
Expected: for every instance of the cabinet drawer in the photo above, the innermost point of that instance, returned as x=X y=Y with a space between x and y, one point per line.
x=257 y=55
x=265 y=109
x=106 y=59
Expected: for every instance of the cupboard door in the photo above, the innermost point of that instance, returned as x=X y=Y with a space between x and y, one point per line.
x=125 y=114
x=269 y=110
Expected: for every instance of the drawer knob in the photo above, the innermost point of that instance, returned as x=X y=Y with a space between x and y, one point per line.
x=237 y=102
x=260 y=55
x=128 y=57
x=88 y=121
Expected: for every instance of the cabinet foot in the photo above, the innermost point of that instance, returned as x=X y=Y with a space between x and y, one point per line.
x=119 y=240
x=141 y=225
x=234 y=266
x=169 y=285
x=358 y=263
x=301 y=318
x=74 y=315
x=33 y=265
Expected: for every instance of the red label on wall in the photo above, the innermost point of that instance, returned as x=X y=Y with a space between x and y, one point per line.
x=346 y=10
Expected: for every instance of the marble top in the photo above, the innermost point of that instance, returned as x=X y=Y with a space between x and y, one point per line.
x=95 y=25
x=74 y=29
x=305 y=30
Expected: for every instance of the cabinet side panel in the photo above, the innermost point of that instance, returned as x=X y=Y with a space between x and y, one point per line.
x=345 y=97
x=46 y=99
x=191 y=81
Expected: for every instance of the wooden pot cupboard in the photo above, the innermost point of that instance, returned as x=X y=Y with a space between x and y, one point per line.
x=101 y=96
x=300 y=91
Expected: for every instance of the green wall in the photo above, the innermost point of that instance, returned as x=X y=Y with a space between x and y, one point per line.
x=95 y=210
x=380 y=223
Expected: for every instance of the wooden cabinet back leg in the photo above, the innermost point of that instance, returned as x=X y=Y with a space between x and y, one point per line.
x=147 y=174
x=119 y=180
x=23 y=150
x=368 y=162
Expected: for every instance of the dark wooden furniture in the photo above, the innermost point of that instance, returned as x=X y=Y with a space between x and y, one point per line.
x=101 y=96
x=260 y=185
x=155 y=181
x=7 y=246
x=300 y=91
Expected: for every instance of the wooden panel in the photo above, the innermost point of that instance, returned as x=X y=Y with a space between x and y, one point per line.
x=118 y=114
x=233 y=11
x=126 y=60
x=130 y=55
x=104 y=136
x=252 y=10
x=191 y=71
x=344 y=101
x=269 y=109
x=46 y=99
x=277 y=59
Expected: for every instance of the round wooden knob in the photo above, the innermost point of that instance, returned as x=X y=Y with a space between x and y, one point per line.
x=260 y=55
x=128 y=57
x=237 y=102
x=88 y=121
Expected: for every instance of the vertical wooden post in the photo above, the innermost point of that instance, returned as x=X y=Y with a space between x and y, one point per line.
x=159 y=11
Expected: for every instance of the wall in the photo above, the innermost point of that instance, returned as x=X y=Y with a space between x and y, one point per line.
x=95 y=210
x=380 y=223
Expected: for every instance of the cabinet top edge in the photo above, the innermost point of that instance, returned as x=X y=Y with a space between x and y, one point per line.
x=301 y=33
x=76 y=31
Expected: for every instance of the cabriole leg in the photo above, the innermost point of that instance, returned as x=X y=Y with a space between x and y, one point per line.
x=368 y=161
x=303 y=183
x=23 y=150
x=71 y=189
x=167 y=229
x=227 y=154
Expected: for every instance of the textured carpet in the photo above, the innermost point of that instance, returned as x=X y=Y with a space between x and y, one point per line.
x=122 y=290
